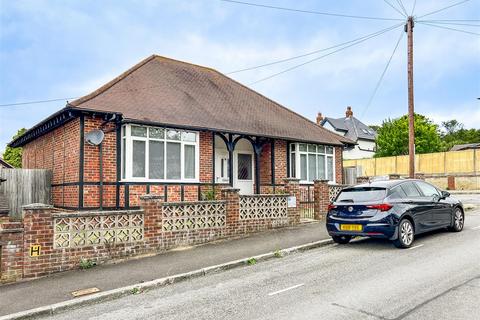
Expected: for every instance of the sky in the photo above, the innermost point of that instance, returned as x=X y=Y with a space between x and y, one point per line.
x=65 y=49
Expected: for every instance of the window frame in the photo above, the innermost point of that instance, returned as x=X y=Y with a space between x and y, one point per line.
x=295 y=153
x=127 y=154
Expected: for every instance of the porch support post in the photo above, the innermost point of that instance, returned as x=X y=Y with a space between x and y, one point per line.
x=272 y=162
x=230 y=147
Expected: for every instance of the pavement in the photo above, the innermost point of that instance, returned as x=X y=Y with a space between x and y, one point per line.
x=438 y=278
x=59 y=287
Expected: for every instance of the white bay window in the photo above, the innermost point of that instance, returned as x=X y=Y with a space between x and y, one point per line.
x=159 y=154
x=310 y=162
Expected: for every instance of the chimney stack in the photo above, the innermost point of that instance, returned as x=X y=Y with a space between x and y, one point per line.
x=319 y=118
x=349 y=112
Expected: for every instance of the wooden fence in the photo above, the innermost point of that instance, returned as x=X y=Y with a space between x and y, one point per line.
x=25 y=186
x=440 y=163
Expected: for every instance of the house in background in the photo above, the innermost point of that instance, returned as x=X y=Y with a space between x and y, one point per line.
x=467 y=146
x=353 y=129
x=4 y=164
x=177 y=129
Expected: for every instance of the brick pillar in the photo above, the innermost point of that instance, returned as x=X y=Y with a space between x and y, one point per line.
x=11 y=249
x=321 y=198
x=292 y=187
x=451 y=182
x=232 y=197
x=152 y=220
x=393 y=176
x=38 y=235
x=362 y=179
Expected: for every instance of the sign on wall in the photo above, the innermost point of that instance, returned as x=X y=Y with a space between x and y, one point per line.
x=291 y=202
x=35 y=250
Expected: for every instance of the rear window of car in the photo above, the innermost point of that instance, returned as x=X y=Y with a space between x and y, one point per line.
x=362 y=195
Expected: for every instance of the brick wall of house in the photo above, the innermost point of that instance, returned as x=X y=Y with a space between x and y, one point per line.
x=58 y=151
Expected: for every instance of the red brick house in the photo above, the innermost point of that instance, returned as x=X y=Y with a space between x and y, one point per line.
x=176 y=129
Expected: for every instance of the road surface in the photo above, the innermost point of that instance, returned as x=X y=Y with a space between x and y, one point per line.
x=439 y=278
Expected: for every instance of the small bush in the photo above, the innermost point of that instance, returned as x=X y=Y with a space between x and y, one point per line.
x=135 y=291
x=278 y=254
x=208 y=195
x=87 y=263
x=252 y=261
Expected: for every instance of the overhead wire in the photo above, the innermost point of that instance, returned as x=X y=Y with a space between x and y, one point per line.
x=442 y=9
x=394 y=8
x=36 y=102
x=328 y=54
x=377 y=86
x=400 y=3
x=303 y=55
x=413 y=7
x=309 y=11
x=448 y=28
x=450 y=23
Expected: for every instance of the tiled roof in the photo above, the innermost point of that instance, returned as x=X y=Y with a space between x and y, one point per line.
x=170 y=92
x=354 y=128
x=466 y=146
x=5 y=164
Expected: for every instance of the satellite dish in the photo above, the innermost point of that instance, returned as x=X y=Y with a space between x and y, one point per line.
x=94 y=137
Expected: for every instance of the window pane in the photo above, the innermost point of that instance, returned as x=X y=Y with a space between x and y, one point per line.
x=293 y=167
x=189 y=136
x=173 y=135
x=312 y=167
x=329 y=150
x=139 y=131
x=124 y=129
x=156 y=133
x=292 y=146
x=321 y=167
x=302 y=147
x=321 y=149
x=410 y=190
x=173 y=160
x=244 y=166
x=330 y=168
x=427 y=190
x=366 y=194
x=303 y=167
x=138 y=161
x=156 y=159
x=312 y=148
x=189 y=162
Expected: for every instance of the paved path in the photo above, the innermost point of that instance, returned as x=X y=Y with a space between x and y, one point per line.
x=439 y=278
x=31 y=294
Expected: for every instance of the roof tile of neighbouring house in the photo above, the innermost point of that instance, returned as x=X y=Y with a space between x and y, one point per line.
x=5 y=164
x=170 y=92
x=467 y=146
x=354 y=128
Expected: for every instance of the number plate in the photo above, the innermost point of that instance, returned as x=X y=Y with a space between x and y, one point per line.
x=351 y=227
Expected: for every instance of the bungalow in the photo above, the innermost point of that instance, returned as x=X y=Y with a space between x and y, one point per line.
x=177 y=129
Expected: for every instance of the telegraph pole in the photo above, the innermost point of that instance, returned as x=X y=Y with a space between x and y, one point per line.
x=411 y=114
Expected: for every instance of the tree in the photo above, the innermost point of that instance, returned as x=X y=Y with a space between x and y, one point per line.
x=456 y=134
x=14 y=155
x=392 y=139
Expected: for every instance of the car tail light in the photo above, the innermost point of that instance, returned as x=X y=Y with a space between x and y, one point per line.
x=381 y=206
x=331 y=206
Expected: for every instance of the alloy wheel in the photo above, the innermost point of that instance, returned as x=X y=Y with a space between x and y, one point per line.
x=458 y=220
x=406 y=233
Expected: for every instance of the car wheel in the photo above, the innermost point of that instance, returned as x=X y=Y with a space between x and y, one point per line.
x=458 y=220
x=341 y=239
x=406 y=234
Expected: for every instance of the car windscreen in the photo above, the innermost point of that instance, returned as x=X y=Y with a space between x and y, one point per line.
x=366 y=194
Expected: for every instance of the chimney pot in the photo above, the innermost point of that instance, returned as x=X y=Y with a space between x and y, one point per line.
x=319 y=118
x=349 y=112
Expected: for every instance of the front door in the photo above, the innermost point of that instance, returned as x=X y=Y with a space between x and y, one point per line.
x=243 y=172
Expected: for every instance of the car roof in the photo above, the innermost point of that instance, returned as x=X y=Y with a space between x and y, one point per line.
x=388 y=184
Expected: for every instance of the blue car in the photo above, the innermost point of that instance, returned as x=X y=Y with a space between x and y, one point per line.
x=397 y=210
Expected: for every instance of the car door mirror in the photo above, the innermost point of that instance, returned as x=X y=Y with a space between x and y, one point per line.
x=445 y=194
